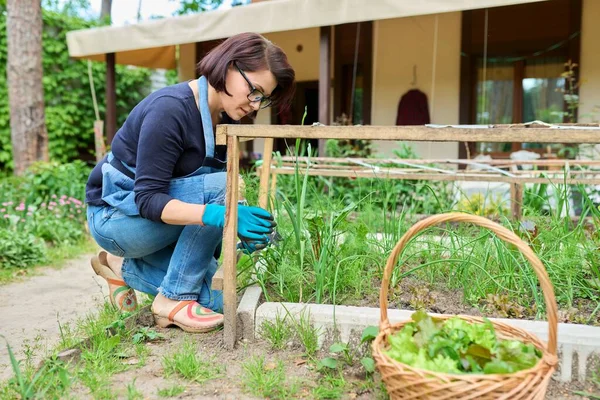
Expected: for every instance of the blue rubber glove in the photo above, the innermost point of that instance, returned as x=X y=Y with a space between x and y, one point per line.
x=254 y=223
x=249 y=247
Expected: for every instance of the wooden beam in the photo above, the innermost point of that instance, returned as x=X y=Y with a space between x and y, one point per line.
x=553 y=162
x=324 y=81
x=111 y=99
x=467 y=177
x=497 y=133
x=229 y=244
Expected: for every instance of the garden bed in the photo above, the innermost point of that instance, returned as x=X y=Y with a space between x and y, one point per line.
x=131 y=359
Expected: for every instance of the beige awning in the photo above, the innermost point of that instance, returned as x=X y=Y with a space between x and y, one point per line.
x=151 y=44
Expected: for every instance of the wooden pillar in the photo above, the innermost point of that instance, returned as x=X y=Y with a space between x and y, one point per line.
x=467 y=93
x=324 y=81
x=517 y=118
x=111 y=99
x=229 y=243
x=265 y=172
x=516 y=200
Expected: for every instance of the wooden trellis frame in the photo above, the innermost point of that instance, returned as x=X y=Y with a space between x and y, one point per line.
x=501 y=171
x=231 y=135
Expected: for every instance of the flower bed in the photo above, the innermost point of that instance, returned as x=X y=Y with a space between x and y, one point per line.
x=41 y=215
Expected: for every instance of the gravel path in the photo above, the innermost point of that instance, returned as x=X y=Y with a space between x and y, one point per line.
x=31 y=309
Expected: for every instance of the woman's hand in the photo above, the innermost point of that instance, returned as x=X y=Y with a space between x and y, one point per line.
x=254 y=223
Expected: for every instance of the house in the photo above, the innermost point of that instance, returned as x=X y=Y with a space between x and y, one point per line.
x=484 y=61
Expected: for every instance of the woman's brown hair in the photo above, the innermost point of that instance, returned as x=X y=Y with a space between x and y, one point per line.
x=251 y=52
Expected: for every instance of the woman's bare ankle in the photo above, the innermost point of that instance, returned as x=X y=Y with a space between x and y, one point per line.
x=115 y=264
x=161 y=302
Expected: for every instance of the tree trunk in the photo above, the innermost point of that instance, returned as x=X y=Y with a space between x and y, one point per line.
x=25 y=88
x=105 y=11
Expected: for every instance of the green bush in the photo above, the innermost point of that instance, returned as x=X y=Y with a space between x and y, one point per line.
x=43 y=180
x=68 y=101
x=20 y=249
x=42 y=208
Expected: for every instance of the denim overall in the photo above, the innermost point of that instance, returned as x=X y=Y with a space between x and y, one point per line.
x=174 y=260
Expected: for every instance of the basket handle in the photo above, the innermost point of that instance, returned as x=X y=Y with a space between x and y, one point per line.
x=502 y=233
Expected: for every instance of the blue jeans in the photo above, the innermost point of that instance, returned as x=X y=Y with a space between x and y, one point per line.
x=174 y=260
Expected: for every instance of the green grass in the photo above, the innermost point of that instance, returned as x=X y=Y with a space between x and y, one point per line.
x=330 y=386
x=277 y=333
x=186 y=363
x=107 y=345
x=133 y=393
x=267 y=380
x=328 y=252
x=171 y=391
x=307 y=334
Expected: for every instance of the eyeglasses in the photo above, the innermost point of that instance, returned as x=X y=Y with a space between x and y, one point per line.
x=255 y=94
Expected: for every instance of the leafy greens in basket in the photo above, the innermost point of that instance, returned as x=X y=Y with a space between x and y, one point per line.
x=456 y=346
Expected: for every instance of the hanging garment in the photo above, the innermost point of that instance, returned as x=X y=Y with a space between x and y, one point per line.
x=413 y=109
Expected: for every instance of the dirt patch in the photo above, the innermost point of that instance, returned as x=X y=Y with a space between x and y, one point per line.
x=150 y=375
x=566 y=391
x=414 y=294
x=33 y=308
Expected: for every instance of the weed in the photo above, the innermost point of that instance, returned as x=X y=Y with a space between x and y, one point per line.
x=146 y=334
x=267 y=380
x=132 y=392
x=188 y=364
x=340 y=349
x=343 y=352
x=277 y=333
x=331 y=386
x=307 y=334
x=51 y=377
x=171 y=391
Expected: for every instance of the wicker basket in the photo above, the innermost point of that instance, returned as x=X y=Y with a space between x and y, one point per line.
x=405 y=382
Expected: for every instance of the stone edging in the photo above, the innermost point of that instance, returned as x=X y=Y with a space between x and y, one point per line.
x=579 y=342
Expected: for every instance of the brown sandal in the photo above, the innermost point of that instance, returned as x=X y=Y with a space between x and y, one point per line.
x=209 y=318
x=121 y=295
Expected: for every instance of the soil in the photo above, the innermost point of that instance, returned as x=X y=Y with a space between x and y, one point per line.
x=412 y=294
x=32 y=308
x=150 y=377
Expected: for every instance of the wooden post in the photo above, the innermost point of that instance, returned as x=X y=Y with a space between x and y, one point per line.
x=516 y=200
x=263 y=191
x=324 y=81
x=111 y=99
x=99 y=145
x=273 y=189
x=229 y=243
x=516 y=197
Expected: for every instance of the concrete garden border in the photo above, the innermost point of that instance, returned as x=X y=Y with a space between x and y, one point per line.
x=579 y=345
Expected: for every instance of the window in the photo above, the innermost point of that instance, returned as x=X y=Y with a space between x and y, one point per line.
x=526 y=47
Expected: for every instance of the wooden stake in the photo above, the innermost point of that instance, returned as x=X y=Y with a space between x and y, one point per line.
x=263 y=192
x=516 y=197
x=229 y=243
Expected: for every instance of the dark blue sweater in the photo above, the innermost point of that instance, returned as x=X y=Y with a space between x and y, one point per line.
x=163 y=139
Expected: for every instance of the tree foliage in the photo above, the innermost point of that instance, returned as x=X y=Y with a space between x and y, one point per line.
x=196 y=6
x=69 y=108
